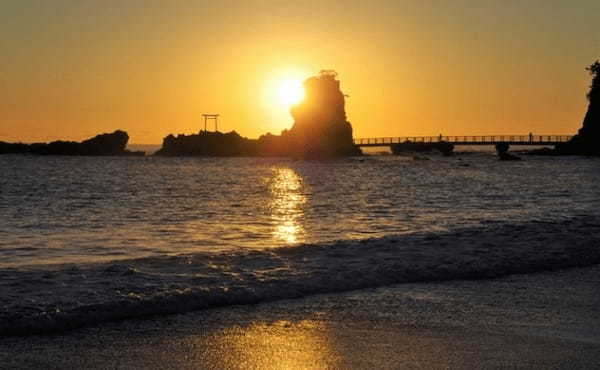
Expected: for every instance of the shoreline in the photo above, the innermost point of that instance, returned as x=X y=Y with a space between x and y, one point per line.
x=58 y=300
x=534 y=320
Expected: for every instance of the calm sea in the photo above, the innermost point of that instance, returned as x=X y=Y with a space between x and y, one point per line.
x=86 y=240
x=90 y=209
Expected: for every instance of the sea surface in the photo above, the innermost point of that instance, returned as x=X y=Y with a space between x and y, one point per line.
x=193 y=228
x=88 y=209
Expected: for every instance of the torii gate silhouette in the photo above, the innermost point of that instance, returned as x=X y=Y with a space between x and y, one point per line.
x=208 y=117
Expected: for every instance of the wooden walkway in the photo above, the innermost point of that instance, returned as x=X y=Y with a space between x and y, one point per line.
x=545 y=140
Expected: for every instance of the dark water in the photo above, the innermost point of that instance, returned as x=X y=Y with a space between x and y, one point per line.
x=70 y=209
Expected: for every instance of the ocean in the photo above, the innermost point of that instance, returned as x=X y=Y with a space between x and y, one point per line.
x=93 y=239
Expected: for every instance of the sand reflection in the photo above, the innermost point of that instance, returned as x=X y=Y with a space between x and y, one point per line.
x=279 y=345
x=286 y=205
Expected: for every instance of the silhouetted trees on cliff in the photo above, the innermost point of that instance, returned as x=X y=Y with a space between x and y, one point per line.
x=587 y=140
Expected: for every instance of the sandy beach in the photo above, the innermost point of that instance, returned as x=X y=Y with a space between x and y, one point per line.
x=543 y=320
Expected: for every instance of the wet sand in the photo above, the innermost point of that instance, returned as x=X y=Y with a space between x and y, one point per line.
x=544 y=320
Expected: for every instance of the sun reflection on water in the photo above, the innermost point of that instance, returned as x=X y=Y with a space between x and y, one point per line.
x=279 y=345
x=286 y=205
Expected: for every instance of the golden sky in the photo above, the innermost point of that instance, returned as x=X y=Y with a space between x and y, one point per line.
x=73 y=68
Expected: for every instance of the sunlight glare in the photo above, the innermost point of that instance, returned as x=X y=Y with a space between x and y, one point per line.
x=290 y=92
x=281 y=90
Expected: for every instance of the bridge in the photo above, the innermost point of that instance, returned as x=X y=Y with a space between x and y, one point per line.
x=542 y=140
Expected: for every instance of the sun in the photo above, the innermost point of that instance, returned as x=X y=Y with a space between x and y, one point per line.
x=282 y=89
x=289 y=91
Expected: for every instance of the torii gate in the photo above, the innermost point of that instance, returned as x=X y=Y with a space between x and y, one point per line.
x=214 y=117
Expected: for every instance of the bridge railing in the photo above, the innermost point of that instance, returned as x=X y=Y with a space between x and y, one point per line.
x=485 y=139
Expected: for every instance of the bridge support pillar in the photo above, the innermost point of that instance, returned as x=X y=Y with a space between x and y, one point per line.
x=503 y=154
x=502 y=148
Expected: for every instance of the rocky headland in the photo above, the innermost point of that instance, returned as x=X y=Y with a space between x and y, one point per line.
x=320 y=130
x=587 y=140
x=112 y=144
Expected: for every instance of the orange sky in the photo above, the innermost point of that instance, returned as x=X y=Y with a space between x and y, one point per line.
x=74 y=68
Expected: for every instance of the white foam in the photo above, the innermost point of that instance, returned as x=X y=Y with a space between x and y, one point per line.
x=51 y=298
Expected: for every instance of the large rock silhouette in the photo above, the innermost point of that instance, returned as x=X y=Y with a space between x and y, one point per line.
x=320 y=126
x=216 y=144
x=100 y=145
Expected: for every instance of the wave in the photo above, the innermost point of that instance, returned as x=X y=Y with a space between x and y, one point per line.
x=56 y=298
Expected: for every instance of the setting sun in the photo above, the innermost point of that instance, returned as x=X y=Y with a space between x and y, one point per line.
x=282 y=88
x=290 y=92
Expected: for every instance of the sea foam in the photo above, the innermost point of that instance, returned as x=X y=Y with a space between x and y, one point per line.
x=61 y=297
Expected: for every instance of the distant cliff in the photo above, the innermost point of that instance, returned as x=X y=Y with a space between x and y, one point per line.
x=587 y=140
x=100 y=145
x=320 y=130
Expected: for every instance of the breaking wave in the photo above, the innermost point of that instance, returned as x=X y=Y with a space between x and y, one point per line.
x=56 y=298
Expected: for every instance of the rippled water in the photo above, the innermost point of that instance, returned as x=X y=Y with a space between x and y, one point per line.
x=88 y=209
